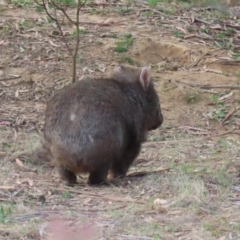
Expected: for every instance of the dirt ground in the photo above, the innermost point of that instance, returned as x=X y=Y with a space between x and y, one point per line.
x=186 y=182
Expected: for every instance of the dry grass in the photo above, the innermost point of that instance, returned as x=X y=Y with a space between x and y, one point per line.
x=195 y=199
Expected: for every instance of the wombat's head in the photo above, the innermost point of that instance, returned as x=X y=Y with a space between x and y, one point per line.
x=149 y=99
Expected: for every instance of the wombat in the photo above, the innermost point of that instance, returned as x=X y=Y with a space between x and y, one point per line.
x=97 y=125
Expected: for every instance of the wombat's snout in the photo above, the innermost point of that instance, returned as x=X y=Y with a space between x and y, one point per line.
x=160 y=117
x=158 y=122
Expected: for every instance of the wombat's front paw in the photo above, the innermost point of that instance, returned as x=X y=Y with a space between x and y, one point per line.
x=95 y=179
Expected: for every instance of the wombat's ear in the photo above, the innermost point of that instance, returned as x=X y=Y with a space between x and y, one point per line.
x=145 y=78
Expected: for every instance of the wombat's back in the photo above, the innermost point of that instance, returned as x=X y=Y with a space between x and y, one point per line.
x=89 y=120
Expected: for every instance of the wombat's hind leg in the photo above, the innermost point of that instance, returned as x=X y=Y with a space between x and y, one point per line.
x=98 y=176
x=120 y=168
x=68 y=176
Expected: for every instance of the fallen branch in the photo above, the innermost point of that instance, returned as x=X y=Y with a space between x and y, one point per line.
x=196 y=131
x=134 y=237
x=30 y=216
x=228 y=62
x=144 y=173
x=208 y=86
x=110 y=198
x=84 y=210
x=229 y=114
x=235 y=200
x=7 y=187
x=10 y=78
x=153 y=10
x=192 y=128
x=3 y=199
x=201 y=21
x=201 y=58
x=105 y=24
x=223 y=134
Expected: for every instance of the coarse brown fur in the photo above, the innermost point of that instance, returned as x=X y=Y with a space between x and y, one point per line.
x=97 y=125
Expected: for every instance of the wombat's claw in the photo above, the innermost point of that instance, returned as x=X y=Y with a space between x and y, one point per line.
x=98 y=182
x=71 y=183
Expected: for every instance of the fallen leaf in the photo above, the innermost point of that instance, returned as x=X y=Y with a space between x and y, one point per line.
x=15 y=57
x=87 y=200
x=30 y=182
x=53 y=44
x=19 y=162
x=182 y=30
x=6 y=187
x=108 y=20
x=225 y=96
x=17 y=93
x=102 y=69
x=5 y=123
x=175 y=212
x=87 y=69
x=159 y=201
x=149 y=219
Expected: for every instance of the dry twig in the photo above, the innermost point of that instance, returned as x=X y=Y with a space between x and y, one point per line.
x=144 y=173
x=111 y=198
x=229 y=114
x=10 y=78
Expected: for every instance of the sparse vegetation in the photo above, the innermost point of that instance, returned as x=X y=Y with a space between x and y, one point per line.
x=22 y=3
x=178 y=34
x=129 y=60
x=123 y=45
x=5 y=212
x=220 y=112
x=192 y=97
x=153 y=3
x=66 y=195
x=123 y=10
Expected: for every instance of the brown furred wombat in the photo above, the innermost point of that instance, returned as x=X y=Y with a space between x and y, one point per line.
x=97 y=125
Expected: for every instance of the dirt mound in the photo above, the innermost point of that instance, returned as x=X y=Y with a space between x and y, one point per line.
x=151 y=52
x=172 y=55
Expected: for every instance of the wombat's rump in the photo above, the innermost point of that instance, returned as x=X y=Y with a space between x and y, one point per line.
x=97 y=125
